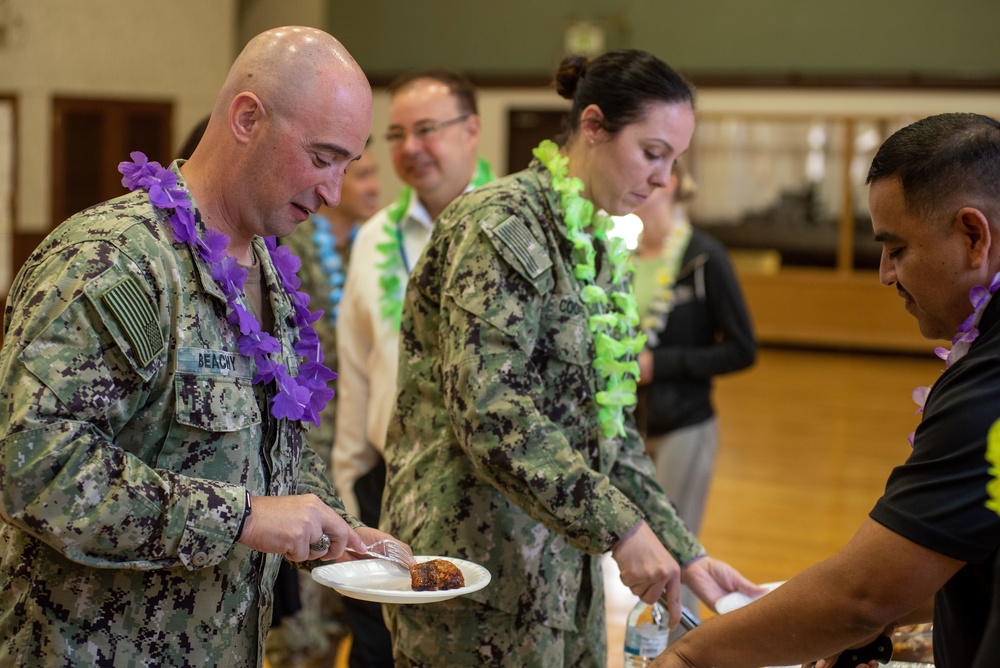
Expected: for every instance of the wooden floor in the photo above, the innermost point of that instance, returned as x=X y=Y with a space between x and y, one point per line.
x=807 y=442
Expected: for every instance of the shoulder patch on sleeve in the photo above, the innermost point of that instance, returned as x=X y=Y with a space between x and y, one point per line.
x=136 y=315
x=516 y=243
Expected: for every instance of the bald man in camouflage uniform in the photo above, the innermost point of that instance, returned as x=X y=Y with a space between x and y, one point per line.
x=495 y=453
x=132 y=438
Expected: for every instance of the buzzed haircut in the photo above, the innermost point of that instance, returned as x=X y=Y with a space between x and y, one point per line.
x=941 y=156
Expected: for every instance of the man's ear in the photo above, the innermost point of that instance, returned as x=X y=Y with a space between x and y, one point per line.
x=472 y=128
x=973 y=225
x=245 y=113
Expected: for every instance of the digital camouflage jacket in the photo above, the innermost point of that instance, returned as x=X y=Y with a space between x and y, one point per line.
x=129 y=428
x=494 y=452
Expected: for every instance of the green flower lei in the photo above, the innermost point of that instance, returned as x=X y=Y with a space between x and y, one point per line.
x=394 y=257
x=993 y=457
x=655 y=321
x=613 y=315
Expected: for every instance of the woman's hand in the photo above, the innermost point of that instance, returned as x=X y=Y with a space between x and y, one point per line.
x=648 y=570
x=712 y=579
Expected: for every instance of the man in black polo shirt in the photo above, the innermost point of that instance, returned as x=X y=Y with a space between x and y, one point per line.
x=935 y=205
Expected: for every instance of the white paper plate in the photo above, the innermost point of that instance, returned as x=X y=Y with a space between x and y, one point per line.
x=736 y=599
x=384 y=582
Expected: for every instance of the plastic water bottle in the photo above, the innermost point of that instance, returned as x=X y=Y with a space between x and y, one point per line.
x=644 y=638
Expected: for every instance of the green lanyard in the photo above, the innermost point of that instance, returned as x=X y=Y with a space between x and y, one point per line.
x=394 y=254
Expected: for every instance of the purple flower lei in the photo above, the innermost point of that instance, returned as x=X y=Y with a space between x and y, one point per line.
x=966 y=333
x=300 y=398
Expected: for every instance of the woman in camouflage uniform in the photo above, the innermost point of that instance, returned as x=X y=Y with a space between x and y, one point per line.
x=505 y=448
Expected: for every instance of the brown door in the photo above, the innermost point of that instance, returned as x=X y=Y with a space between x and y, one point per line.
x=526 y=129
x=90 y=138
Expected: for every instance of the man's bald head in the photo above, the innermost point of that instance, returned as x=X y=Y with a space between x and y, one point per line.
x=283 y=65
x=293 y=113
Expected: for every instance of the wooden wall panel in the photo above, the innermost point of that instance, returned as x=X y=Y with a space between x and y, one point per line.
x=828 y=309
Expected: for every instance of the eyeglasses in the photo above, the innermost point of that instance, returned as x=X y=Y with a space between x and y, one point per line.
x=423 y=130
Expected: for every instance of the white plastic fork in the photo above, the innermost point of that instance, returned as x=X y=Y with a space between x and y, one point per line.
x=388 y=550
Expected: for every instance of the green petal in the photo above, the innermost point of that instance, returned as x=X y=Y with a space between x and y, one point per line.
x=593 y=294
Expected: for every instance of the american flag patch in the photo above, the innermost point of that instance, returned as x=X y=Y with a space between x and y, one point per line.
x=136 y=315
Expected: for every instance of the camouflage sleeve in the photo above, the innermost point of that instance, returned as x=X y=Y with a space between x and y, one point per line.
x=313 y=480
x=67 y=387
x=634 y=475
x=490 y=320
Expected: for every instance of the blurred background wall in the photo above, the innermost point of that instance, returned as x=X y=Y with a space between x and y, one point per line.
x=78 y=79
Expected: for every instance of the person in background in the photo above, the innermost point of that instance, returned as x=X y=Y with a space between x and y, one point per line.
x=697 y=327
x=193 y=139
x=153 y=401
x=313 y=616
x=513 y=442
x=433 y=137
x=935 y=209
x=324 y=244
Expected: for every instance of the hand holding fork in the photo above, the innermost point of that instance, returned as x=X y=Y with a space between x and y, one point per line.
x=386 y=549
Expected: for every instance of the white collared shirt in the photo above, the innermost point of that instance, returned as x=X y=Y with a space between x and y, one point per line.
x=368 y=349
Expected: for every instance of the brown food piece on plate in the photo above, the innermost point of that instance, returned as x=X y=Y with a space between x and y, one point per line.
x=913 y=644
x=435 y=575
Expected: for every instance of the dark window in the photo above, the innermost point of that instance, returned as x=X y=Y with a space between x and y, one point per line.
x=90 y=138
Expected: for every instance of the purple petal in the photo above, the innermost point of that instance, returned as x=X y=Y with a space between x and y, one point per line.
x=307 y=318
x=285 y=382
x=969 y=336
x=287 y=264
x=317 y=402
x=162 y=178
x=215 y=244
x=230 y=276
x=300 y=302
x=310 y=415
x=290 y=405
x=152 y=174
x=267 y=370
x=299 y=299
x=978 y=296
x=290 y=282
x=259 y=342
x=182 y=223
x=292 y=399
x=967 y=324
x=135 y=173
x=168 y=198
x=995 y=283
x=308 y=344
x=243 y=319
x=320 y=397
x=942 y=352
x=315 y=375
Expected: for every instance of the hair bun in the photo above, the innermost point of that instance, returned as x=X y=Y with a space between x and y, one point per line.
x=568 y=75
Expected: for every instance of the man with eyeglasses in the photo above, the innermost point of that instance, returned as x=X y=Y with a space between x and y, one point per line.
x=433 y=137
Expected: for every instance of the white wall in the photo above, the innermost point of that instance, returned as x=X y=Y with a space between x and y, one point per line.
x=256 y=16
x=178 y=51
x=181 y=51
x=494 y=104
